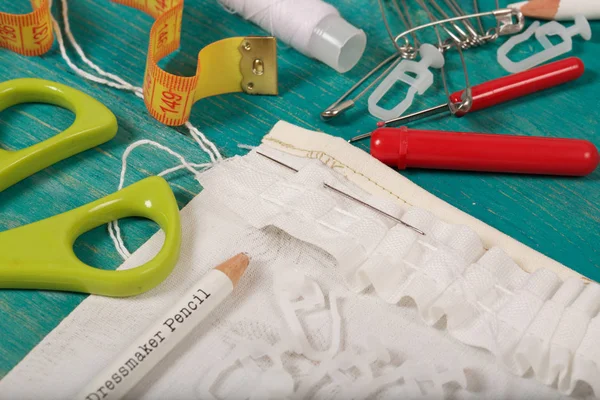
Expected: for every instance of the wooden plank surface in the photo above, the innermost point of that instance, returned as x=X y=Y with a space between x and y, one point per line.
x=558 y=216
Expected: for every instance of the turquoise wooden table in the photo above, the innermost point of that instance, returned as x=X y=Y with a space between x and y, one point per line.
x=559 y=217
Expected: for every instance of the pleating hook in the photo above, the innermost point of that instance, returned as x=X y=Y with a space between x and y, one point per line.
x=419 y=83
x=553 y=28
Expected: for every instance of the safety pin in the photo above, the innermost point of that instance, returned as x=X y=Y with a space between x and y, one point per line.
x=504 y=17
x=506 y=25
x=500 y=90
x=402 y=52
x=431 y=56
x=348 y=196
x=471 y=37
x=341 y=104
x=407 y=51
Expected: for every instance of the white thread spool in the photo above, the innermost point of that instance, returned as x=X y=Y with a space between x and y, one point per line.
x=312 y=27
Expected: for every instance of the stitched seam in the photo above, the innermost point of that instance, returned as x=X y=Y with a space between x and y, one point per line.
x=334 y=163
x=342 y=165
x=314 y=154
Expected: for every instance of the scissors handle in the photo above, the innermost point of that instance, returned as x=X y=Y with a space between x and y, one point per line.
x=94 y=124
x=40 y=255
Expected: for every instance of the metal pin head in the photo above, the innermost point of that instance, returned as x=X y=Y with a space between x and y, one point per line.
x=506 y=21
x=337 y=108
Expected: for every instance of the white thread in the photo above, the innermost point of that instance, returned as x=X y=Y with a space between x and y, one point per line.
x=120 y=83
x=202 y=140
x=313 y=27
x=77 y=70
x=79 y=50
x=117 y=82
x=113 y=227
x=179 y=167
x=246 y=146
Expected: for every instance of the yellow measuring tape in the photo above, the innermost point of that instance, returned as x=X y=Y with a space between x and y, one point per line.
x=28 y=34
x=238 y=64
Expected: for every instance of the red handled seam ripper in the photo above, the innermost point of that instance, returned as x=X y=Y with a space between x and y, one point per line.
x=405 y=148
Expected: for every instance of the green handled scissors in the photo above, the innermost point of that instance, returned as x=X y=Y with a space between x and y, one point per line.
x=40 y=255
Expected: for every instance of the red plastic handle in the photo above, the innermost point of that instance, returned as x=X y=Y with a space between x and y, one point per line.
x=521 y=84
x=403 y=148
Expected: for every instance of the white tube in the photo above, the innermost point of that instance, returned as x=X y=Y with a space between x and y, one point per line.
x=159 y=339
x=313 y=27
x=337 y=43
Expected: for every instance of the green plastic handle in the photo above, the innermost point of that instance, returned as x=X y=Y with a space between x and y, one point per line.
x=94 y=124
x=40 y=255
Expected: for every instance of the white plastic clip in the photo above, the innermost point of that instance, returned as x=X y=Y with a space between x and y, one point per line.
x=580 y=27
x=253 y=381
x=297 y=293
x=430 y=57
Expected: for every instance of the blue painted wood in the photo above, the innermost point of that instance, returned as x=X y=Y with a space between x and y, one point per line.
x=558 y=216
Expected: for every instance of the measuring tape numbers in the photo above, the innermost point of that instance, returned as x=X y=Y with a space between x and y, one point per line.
x=237 y=64
x=28 y=34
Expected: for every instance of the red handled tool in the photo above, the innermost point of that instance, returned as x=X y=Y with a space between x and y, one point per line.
x=415 y=148
x=501 y=89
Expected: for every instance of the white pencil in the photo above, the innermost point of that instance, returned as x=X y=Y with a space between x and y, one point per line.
x=159 y=339
x=560 y=10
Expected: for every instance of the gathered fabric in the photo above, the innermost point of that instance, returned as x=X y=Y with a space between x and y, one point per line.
x=339 y=302
x=529 y=321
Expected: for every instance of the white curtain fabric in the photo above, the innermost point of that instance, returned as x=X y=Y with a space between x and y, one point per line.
x=339 y=301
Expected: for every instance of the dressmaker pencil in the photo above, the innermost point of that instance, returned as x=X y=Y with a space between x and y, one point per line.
x=560 y=10
x=159 y=339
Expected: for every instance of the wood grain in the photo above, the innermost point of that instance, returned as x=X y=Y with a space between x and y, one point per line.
x=558 y=216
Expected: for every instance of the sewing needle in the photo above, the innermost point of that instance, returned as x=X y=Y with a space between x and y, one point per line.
x=348 y=196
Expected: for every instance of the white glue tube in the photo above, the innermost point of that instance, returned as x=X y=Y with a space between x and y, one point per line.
x=312 y=27
x=137 y=360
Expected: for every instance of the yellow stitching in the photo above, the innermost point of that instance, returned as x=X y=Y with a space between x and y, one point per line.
x=310 y=153
x=319 y=154
x=314 y=154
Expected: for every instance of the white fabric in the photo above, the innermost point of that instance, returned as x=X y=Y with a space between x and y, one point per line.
x=376 y=178
x=487 y=299
x=290 y=223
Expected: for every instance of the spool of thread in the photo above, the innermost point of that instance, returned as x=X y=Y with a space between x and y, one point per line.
x=312 y=27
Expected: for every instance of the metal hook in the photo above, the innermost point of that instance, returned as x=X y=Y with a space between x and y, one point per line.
x=407 y=51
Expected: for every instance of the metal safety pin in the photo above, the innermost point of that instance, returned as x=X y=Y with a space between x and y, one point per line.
x=504 y=17
x=407 y=51
x=348 y=196
x=506 y=25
